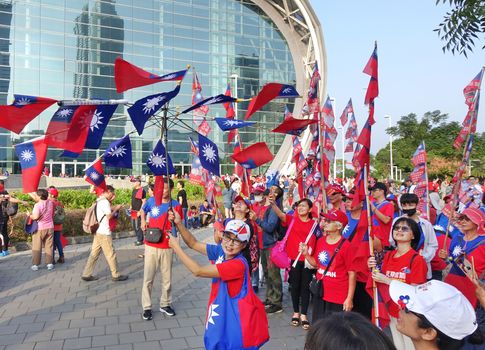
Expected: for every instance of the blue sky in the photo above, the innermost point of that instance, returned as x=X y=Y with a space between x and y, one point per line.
x=415 y=76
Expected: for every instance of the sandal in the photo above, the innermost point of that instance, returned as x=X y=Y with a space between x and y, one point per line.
x=305 y=325
x=295 y=321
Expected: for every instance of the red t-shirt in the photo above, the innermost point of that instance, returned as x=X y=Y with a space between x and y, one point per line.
x=297 y=235
x=159 y=219
x=379 y=228
x=232 y=272
x=438 y=264
x=360 y=249
x=402 y=270
x=336 y=280
x=260 y=210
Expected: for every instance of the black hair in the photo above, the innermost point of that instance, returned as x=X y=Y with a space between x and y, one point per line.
x=42 y=193
x=279 y=192
x=2 y=182
x=409 y=198
x=152 y=187
x=346 y=331
x=181 y=183
x=206 y=200
x=443 y=341
x=193 y=207
x=168 y=181
x=310 y=205
x=227 y=184
x=414 y=229
x=110 y=188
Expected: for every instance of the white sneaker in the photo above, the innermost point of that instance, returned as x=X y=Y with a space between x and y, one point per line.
x=50 y=266
x=34 y=267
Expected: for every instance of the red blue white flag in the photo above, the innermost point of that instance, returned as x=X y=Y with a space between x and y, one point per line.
x=24 y=108
x=253 y=156
x=229 y=106
x=349 y=109
x=31 y=155
x=373 y=88
x=129 y=76
x=269 y=92
x=94 y=174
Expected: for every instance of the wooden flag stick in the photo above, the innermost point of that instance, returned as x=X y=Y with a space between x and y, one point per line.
x=371 y=246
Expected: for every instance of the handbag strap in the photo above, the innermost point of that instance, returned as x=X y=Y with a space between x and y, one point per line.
x=333 y=256
x=288 y=231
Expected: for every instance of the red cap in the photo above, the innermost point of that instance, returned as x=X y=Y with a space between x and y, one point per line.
x=337 y=215
x=241 y=198
x=335 y=188
x=53 y=191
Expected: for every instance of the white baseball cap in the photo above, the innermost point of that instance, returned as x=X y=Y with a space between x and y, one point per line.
x=442 y=304
x=238 y=228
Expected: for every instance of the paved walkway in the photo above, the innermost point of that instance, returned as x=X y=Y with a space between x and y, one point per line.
x=57 y=310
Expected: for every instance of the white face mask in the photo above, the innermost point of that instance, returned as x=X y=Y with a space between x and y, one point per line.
x=258 y=199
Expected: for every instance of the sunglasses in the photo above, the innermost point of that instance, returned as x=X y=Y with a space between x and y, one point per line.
x=402 y=228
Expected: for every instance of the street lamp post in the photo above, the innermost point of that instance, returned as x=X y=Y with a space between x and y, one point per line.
x=390 y=146
x=235 y=77
x=334 y=107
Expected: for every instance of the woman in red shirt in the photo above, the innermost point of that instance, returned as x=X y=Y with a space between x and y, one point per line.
x=299 y=226
x=404 y=264
x=339 y=280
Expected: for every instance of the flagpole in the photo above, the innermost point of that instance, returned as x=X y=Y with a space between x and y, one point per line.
x=371 y=246
x=165 y=141
x=315 y=223
x=322 y=165
x=427 y=182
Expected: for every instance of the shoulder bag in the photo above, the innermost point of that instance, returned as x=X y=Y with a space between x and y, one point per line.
x=316 y=285
x=278 y=254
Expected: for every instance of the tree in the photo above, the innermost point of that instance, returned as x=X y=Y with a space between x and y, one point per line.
x=462 y=25
x=438 y=136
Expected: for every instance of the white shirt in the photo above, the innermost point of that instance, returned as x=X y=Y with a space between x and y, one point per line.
x=103 y=208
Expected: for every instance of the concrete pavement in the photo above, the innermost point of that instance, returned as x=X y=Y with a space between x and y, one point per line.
x=57 y=310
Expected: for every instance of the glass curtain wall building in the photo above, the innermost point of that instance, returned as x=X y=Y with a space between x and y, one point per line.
x=66 y=49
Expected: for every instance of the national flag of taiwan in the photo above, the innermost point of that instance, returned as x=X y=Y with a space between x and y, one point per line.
x=419 y=156
x=118 y=154
x=345 y=114
x=229 y=124
x=209 y=155
x=69 y=127
x=269 y=92
x=293 y=126
x=95 y=174
x=129 y=76
x=352 y=128
x=24 y=108
x=373 y=89
x=471 y=90
x=31 y=155
x=99 y=122
x=157 y=161
x=145 y=108
x=210 y=101
x=328 y=118
x=254 y=156
x=229 y=106
x=197 y=97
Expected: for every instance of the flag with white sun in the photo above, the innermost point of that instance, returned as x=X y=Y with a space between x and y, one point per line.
x=118 y=154
x=157 y=161
x=209 y=155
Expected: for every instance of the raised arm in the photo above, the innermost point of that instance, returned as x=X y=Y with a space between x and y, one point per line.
x=187 y=236
x=277 y=210
x=209 y=271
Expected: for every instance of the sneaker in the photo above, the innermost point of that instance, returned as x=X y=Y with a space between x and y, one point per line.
x=147 y=315
x=267 y=303
x=89 y=278
x=119 y=278
x=34 y=268
x=50 y=266
x=256 y=289
x=274 y=309
x=167 y=310
x=138 y=243
x=5 y=253
x=61 y=260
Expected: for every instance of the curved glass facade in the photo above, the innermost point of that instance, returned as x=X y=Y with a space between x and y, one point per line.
x=66 y=49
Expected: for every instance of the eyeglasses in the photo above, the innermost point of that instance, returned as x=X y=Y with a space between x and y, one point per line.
x=402 y=228
x=229 y=240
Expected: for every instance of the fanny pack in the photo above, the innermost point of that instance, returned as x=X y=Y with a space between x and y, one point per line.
x=153 y=235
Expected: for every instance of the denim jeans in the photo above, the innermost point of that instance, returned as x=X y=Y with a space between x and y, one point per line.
x=57 y=244
x=136 y=224
x=184 y=211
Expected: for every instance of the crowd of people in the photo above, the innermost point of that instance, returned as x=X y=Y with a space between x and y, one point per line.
x=348 y=263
